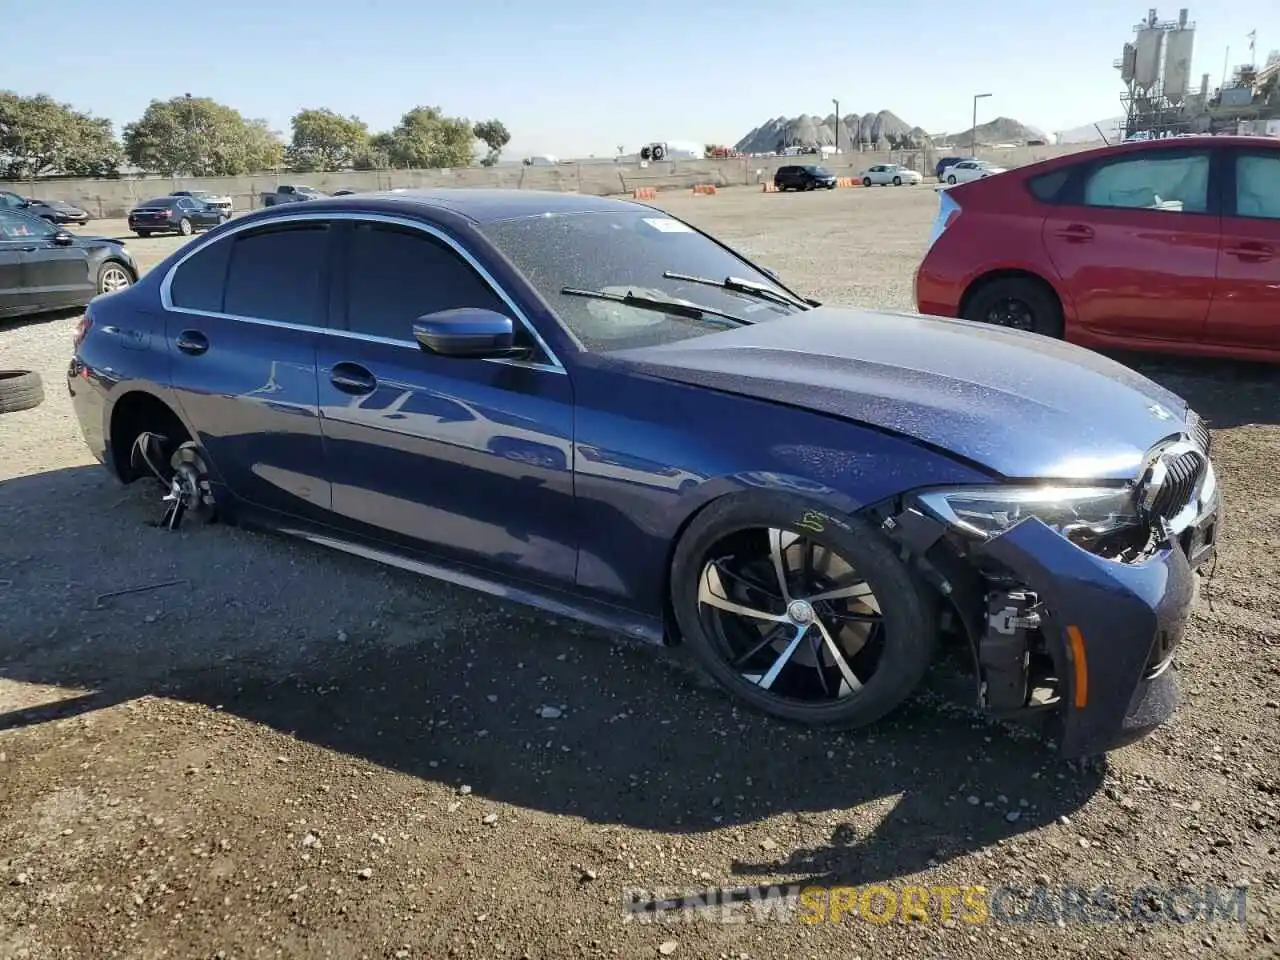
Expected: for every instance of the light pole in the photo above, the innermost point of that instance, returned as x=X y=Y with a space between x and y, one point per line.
x=837 y=103
x=973 y=134
x=191 y=132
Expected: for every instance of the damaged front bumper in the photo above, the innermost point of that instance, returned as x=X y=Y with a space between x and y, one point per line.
x=1056 y=629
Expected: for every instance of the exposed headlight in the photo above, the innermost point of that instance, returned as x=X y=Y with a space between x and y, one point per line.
x=1075 y=512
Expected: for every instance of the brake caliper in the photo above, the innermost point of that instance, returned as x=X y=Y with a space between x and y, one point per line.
x=1004 y=652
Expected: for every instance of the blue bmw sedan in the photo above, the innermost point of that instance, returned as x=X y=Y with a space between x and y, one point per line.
x=593 y=407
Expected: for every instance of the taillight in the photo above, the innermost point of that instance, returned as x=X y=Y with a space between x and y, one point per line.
x=948 y=213
x=82 y=329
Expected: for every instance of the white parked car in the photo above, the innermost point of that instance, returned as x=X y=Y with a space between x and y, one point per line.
x=222 y=204
x=883 y=174
x=967 y=170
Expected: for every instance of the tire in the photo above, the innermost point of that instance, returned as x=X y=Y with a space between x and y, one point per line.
x=951 y=179
x=185 y=228
x=20 y=390
x=908 y=623
x=866 y=181
x=1008 y=297
x=897 y=181
x=143 y=233
x=113 y=276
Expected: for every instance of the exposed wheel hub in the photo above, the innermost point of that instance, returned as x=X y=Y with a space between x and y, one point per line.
x=800 y=612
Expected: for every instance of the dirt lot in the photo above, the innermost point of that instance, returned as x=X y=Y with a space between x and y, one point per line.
x=292 y=752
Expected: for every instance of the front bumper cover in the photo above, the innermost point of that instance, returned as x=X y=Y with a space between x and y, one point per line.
x=1106 y=625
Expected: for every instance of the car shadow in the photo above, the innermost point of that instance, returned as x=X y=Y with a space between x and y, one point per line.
x=457 y=688
x=1226 y=393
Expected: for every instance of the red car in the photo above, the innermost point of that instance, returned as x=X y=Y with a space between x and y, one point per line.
x=1165 y=245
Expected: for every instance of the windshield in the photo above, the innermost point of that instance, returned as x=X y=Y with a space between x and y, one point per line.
x=818 y=171
x=621 y=252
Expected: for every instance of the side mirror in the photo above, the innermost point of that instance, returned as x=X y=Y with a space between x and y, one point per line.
x=64 y=238
x=467 y=332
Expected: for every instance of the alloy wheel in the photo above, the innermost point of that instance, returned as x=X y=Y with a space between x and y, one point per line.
x=114 y=278
x=790 y=615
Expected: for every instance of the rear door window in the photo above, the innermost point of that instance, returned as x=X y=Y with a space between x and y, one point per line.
x=1177 y=183
x=279 y=273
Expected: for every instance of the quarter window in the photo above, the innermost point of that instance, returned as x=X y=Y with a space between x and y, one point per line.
x=1177 y=184
x=1258 y=187
x=198 y=284
x=396 y=275
x=278 y=273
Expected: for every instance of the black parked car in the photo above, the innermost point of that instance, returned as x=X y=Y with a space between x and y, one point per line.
x=44 y=267
x=182 y=215
x=55 y=211
x=806 y=177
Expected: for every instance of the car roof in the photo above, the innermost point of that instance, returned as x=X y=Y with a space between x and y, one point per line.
x=479 y=204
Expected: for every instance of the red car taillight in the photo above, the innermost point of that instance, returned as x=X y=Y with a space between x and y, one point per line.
x=82 y=329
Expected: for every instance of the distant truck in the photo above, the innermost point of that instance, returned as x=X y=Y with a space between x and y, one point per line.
x=290 y=193
x=661 y=150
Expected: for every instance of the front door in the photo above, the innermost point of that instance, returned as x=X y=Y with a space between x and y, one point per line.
x=14 y=296
x=1246 y=302
x=1138 y=249
x=243 y=360
x=466 y=457
x=55 y=275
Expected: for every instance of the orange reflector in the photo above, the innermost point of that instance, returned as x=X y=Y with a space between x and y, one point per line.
x=1076 y=641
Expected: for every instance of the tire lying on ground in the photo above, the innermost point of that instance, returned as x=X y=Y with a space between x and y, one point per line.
x=20 y=390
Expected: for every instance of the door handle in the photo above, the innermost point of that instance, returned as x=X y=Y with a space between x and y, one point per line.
x=1076 y=233
x=192 y=341
x=30 y=249
x=1252 y=252
x=352 y=378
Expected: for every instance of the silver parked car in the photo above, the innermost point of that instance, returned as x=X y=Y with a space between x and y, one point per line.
x=884 y=174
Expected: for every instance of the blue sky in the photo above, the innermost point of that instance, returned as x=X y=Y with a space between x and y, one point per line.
x=573 y=77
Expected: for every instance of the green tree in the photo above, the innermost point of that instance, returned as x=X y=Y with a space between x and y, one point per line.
x=200 y=137
x=40 y=136
x=495 y=136
x=426 y=139
x=324 y=140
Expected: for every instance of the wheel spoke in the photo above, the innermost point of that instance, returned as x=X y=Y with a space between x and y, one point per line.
x=851 y=592
x=770 y=635
x=853 y=617
x=711 y=592
x=851 y=681
x=779 y=566
x=784 y=658
x=745 y=581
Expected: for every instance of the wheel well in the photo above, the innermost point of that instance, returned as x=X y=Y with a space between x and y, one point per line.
x=989 y=278
x=133 y=414
x=120 y=263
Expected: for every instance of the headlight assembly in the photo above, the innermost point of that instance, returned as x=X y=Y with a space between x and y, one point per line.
x=1079 y=513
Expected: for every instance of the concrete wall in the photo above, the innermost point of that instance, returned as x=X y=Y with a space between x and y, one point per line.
x=113 y=198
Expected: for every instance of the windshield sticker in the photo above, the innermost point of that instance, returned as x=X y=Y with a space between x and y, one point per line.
x=667 y=225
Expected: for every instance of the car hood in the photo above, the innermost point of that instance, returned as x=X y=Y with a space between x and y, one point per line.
x=1021 y=405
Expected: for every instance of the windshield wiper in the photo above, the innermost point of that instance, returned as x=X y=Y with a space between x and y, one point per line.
x=738 y=285
x=676 y=308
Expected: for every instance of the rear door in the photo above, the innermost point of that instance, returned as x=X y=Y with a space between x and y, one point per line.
x=1246 y=303
x=243 y=316
x=1135 y=240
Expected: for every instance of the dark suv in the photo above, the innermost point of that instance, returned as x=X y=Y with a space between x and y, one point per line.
x=804 y=178
x=944 y=162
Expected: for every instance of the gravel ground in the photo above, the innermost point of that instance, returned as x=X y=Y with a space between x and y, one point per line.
x=292 y=752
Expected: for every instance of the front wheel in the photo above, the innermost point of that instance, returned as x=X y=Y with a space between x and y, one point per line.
x=803 y=614
x=866 y=181
x=185 y=228
x=143 y=233
x=1019 y=304
x=113 y=276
